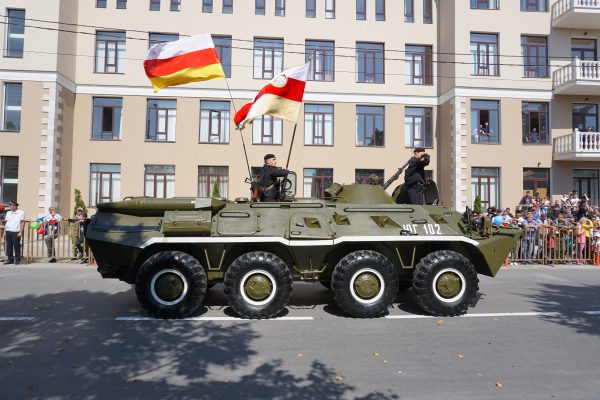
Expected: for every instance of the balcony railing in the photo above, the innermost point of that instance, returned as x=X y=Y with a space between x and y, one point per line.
x=578 y=145
x=579 y=72
x=579 y=11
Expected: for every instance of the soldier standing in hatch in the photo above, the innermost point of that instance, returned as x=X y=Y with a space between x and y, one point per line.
x=267 y=178
x=414 y=177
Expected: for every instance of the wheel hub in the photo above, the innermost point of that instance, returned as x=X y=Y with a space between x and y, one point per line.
x=366 y=285
x=448 y=285
x=258 y=287
x=169 y=287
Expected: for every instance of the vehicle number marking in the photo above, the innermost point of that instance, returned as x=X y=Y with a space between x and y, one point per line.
x=432 y=229
x=412 y=228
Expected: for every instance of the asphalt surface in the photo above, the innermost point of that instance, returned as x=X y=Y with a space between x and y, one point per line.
x=65 y=333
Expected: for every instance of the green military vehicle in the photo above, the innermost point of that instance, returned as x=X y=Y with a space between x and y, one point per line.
x=357 y=241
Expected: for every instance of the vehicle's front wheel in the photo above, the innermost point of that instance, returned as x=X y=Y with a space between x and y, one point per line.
x=364 y=284
x=258 y=285
x=171 y=284
x=445 y=283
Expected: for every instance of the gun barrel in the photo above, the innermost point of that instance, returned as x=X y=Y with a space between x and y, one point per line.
x=395 y=176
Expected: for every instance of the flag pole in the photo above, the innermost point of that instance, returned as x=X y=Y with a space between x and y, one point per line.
x=291 y=145
x=241 y=129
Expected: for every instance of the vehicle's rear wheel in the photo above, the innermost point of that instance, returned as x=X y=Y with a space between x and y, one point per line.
x=171 y=284
x=364 y=284
x=445 y=283
x=258 y=285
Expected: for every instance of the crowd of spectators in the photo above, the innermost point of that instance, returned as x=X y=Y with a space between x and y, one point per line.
x=568 y=228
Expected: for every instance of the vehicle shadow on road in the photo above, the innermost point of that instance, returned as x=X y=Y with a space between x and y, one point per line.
x=570 y=301
x=72 y=351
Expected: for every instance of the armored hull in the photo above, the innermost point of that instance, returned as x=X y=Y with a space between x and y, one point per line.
x=358 y=242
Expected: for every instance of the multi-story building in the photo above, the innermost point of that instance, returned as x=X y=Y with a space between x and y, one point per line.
x=502 y=94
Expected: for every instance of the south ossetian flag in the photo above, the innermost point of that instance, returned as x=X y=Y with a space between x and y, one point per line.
x=280 y=98
x=190 y=59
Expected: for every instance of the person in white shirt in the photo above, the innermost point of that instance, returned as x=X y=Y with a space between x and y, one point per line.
x=50 y=222
x=13 y=231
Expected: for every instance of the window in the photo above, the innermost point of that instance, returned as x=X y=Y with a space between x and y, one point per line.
x=419 y=65
x=485 y=183
x=159 y=181
x=369 y=62
x=100 y=3
x=259 y=7
x=535 y=123
x=536 y=180
x=409 y=10
x=427 y=12
x=535 y=56
x=227 y=6
x=364 y=175
x=110 y=52
x=379 y=10
x=316 y=180
x=418 y=127
x=214 y=121
x=534 y=5
x=361 y=9
x=122 y=4
x=584 y=49
x=211 y=178
x=161 y=119
x=175 y=5
x=280 y=8
x=584 y=116
x=223 y=48
x=318 y=124
x=586 y=181
x=370 y=126
x=485 y=121
x=484 y=54
x=106 y=118
x=9 y=178
x=485 y=4
x=155 y=38
x=321 y=54
x=267 y=130
x=311 y=8
x=154 y=5
x=15 y=33
x=330 y=9
x=207 y=6
x=105 y=183
x=11 y=106
x=268 y=58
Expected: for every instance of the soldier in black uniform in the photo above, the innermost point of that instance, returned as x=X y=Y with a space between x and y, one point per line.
x=267 y=179
x=414 y=176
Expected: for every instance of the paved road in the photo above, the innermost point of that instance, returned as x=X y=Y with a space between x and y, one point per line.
x=67 y=334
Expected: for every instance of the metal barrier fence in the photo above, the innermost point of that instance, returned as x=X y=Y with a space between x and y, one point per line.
x=66 y=244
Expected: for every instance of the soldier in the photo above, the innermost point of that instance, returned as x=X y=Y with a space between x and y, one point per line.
x=267 y=179
x=414 y=177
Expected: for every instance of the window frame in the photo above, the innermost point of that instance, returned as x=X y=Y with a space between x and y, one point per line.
x=319 y=119
x=486 y=201
x=152 y=41
x=479 y=118
x=329 y=9
x=114 y=43
x=531 y=70
x=275 y=129
x=491 y=4
x=223 y=116
x=426 y=123
x=409 y=11
x=427 y=12
x=116 y=125
x=424 y=59
x=320 y=49
x=94 y=200
x=539 y=5
x=222 y=176
x=478 y=68
x=9 y=37
x=227 y=7
x=380 y=10
x=207 y=6
x=361 y=15
x=376 y=112
x=220 y=48
x=101 y=3
x=167 y=184
x=368 y=56
x=535 y=180
x=121 y=4
x=310 y=9
x=322 y=178
x=154 y=5
x=263 y=46
x=6 y=107
x=259 y=7
x=175 y=5
x=161 y=136
x=362 y=177
x=574 y=115
x=280 y=8
x=4 y=180
x=526 y=130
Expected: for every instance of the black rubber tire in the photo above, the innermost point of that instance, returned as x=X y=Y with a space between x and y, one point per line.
x=187 y=268
x=326 y=284
x=424 y=285
x=349 y=268
x=264 y=264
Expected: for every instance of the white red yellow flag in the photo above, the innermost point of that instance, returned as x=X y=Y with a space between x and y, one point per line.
x=190 y=59
x=280 y=98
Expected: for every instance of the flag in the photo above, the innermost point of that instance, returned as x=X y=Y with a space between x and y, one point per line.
x=190 y=59
x=280 y=98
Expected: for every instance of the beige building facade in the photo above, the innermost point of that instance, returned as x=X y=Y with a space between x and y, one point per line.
x=502 y=94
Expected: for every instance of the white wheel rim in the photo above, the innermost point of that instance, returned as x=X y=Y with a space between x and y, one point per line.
x=261 y=302
x=463 y=285
x=381 y=286
x=157 y=297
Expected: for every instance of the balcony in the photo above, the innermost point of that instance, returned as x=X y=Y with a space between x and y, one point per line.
x=578 y=78
x=578 y=146
x=580 y=14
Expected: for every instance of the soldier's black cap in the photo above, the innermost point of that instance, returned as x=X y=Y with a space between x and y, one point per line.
x=268 y=156
x=13 y=202
x=418 y=149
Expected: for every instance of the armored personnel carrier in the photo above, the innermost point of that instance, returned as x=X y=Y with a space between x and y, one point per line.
x=357 y=241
